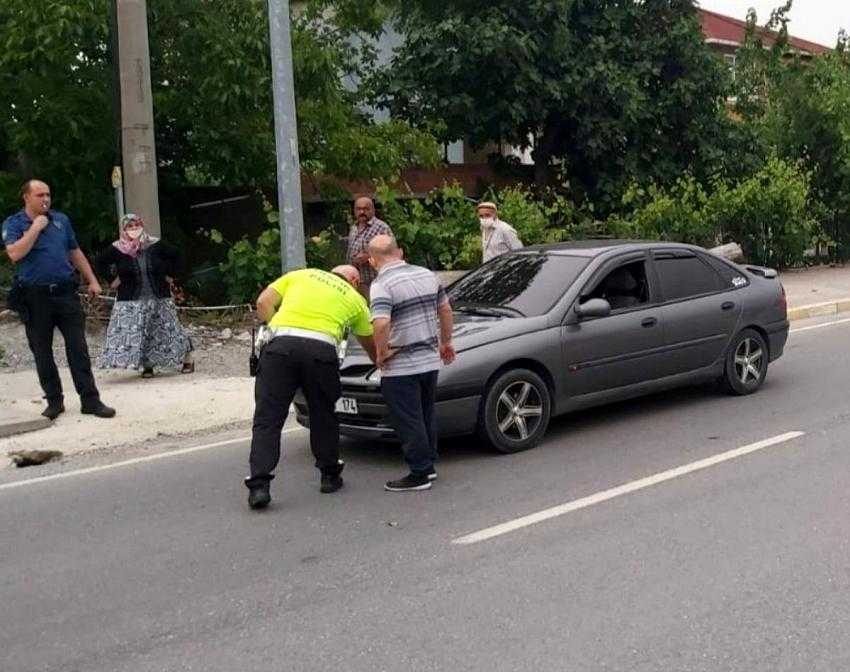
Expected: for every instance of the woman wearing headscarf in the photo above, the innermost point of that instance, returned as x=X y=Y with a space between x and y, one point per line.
x=143 y=331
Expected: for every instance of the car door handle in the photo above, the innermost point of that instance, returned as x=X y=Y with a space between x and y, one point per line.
x=649 y=322
x=727 y=305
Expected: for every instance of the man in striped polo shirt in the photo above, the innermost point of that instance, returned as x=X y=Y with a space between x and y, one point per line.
x=413 y=322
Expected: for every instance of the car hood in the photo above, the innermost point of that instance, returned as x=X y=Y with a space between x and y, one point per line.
x=470 y=331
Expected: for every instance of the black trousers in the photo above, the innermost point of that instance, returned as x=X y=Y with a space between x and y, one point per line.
x=46 y=308
x=411 y=401
x=288 y=363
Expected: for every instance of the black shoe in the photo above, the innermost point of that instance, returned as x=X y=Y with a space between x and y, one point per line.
x=330 y=483
x=331 y=479
x=410 y=482
x=259 y=496
x=431 y=474
x=99 y=409
x=53 y=410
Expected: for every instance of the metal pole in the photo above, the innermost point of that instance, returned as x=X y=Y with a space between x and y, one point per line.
x=137 y=131
x=286 y=139
x=117 y=179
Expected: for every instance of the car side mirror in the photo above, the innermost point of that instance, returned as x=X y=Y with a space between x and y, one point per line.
x=593 y=308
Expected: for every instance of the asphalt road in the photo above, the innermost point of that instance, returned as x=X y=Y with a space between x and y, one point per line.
x=741 y=565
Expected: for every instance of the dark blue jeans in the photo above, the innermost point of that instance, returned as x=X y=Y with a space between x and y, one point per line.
x=411 y=401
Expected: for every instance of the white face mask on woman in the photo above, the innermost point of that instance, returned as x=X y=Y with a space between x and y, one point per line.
x=487 y=222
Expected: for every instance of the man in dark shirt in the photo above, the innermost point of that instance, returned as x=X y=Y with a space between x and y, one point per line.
x=42 y=244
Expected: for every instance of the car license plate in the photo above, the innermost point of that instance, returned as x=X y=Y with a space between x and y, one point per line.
x=346 y=405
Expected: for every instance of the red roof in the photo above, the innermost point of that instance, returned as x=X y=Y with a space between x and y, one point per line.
x=728 y=30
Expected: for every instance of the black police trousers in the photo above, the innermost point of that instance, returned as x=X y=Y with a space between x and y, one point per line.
x=288 y=363
x=47 y=307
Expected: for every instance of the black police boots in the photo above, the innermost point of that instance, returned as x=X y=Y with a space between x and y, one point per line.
x=54 y=409
x=259 y=496
x=331 y=479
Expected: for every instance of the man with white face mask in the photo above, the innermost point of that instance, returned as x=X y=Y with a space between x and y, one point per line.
x=497 y=237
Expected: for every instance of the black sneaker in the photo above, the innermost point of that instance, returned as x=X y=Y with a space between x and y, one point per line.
x=431 y=474
x=410 y=482
x=54 y=410
x=259 y=496
x=330 y=483
x=99 y=409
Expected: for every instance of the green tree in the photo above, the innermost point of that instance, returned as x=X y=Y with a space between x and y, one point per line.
x=799 y=108
x=55 y=105
x=212 y=98
x=609 y=90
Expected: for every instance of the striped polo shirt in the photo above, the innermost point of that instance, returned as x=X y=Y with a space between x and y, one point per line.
x=409 y=296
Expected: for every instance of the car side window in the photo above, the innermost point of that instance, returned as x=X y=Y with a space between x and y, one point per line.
x=624 y=287
x=686 y=276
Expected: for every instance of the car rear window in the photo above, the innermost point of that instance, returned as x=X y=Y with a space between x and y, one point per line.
x=732 y=276
x=528 y=282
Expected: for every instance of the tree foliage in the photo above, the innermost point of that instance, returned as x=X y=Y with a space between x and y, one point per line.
x=211 y=76
x=609 y=90
x=799 y=108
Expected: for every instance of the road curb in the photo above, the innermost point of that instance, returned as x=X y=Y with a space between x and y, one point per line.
x=20 y=424
x=819 y=309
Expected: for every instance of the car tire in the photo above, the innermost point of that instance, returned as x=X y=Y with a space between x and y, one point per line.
x=515 y=411
x=746 y=362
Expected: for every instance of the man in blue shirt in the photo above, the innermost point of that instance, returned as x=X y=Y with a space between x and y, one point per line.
x=42 y=244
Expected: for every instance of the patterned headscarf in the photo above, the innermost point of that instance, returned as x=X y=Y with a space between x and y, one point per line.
x=132 y=246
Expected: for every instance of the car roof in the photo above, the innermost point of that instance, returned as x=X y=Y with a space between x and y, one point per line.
x=597 y=247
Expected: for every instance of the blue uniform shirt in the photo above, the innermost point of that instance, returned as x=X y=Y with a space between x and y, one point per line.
x=47 y=262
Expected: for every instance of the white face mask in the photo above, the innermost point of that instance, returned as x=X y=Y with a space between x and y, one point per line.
x=135 y=234
x=487 y=222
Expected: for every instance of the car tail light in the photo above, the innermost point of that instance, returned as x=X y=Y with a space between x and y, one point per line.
x=782 y=302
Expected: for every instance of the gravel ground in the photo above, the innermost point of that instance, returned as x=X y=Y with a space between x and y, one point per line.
x=218 y=396
x=219 y=352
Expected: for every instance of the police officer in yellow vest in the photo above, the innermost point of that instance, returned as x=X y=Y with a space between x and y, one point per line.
x=308 y=312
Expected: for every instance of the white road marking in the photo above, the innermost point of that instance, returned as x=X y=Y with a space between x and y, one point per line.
x=820 y=326
x=135 y=460
x=626 y=488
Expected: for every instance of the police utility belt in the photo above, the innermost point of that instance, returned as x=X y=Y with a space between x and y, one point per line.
x=266 y=334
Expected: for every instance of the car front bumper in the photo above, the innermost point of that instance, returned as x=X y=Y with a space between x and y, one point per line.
x=455 y=417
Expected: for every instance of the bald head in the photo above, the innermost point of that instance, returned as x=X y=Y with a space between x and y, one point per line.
x=384 y=249
x=351 y=274
x=36 y=195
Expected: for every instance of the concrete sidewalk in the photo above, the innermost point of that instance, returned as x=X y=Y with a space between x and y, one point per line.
x=147 y=410
x=175 y=405
x=821 y=290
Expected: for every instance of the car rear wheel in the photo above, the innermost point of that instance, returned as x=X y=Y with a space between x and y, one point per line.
x=746 y=363
x=515 y=411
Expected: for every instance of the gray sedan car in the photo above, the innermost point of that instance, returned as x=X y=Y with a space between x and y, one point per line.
x=554 y=328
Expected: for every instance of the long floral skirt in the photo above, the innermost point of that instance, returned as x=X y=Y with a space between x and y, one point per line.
x=144 y=333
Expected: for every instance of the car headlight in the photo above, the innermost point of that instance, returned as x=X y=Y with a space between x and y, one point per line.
x=374 y=376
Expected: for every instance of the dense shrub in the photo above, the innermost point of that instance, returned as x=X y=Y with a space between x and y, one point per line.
x=770 y=214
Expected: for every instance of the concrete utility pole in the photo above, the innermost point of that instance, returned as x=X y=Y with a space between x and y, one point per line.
x=137 y=131
x=286 y=139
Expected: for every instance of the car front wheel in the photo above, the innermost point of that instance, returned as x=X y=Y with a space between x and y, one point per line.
x=746 y=363
x=515 y=411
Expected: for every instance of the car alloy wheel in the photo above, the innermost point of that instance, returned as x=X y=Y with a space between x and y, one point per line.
x=746 y=362
x=515 y=411
x=519 y=410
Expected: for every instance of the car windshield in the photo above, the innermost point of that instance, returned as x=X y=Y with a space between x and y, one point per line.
x=522 y=283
